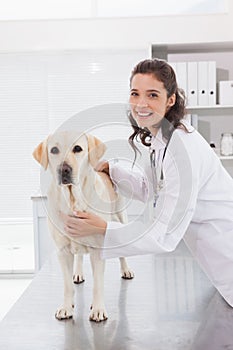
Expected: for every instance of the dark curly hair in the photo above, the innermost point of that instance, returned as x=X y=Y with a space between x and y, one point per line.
x=163 y=72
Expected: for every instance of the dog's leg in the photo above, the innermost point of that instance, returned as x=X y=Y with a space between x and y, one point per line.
x=66 y=260
x=78 y=269
x=126 y=273
x=98 y=312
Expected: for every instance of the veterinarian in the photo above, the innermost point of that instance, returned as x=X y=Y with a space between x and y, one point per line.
x=191 y=192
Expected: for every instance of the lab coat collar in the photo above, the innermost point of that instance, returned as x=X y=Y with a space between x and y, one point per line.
x=159 y=142
x=187 y=125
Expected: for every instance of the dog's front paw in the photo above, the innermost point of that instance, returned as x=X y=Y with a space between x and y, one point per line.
x=64 y=313
x=98 y=314
x=127 y=274
x=77 y=279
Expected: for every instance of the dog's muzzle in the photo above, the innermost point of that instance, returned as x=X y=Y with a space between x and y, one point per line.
x=65 y=174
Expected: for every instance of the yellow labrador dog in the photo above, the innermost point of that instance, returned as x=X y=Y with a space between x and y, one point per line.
x=75 y=185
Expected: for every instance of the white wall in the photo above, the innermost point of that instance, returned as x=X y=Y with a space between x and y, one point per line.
x=114 y=33
x=109 y=34
x=41 y=91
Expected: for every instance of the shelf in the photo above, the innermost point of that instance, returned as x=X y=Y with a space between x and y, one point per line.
x=217 y=151
x=226 y=157
x=211 y=107
x=210 y=110
x=183 y=48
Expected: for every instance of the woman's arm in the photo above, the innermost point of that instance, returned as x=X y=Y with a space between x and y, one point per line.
x=129 y=183
x=172 y=215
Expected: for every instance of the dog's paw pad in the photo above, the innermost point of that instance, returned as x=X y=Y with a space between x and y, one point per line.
x=77 y=279
x=127 y=275
x=64 y=313
x=98 y=315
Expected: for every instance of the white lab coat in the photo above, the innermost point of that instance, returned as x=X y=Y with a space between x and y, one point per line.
x=195 y=203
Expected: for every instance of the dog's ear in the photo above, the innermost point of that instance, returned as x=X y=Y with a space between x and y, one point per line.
x=41 y=154
x=96 y=149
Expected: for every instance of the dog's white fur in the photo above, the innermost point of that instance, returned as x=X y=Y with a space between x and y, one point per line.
x=88 y=191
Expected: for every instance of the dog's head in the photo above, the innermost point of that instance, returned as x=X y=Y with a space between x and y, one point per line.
x=65 y=153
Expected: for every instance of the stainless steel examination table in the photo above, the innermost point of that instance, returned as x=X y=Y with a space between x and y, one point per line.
x=169 y=305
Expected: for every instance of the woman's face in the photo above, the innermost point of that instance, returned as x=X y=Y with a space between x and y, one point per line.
x=148 y=101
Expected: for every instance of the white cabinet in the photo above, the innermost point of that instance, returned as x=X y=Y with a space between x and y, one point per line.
x=213 y=111
x=43 y=244
x=211 y=121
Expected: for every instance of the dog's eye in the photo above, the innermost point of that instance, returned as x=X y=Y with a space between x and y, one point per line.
x=77 y=149
x=54 y=150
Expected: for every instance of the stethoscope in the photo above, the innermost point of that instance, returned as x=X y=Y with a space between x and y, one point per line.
x=157 y=183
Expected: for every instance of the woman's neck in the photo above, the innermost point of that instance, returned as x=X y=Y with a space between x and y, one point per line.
x=154 y=130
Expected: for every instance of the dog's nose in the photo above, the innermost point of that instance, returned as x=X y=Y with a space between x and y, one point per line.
x=65 y=174
x=66 y=169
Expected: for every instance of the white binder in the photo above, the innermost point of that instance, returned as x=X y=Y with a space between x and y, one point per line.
x=181 y=69
x=212 y=83
x=202 y=83
x=226 y=92
x=192 y=83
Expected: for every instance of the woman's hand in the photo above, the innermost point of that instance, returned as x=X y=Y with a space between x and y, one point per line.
x=83 y=224
x=102 y=166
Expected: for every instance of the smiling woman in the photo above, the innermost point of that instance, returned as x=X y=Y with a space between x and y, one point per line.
x=154 y=95
x=185 y=174
x=148 y=105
